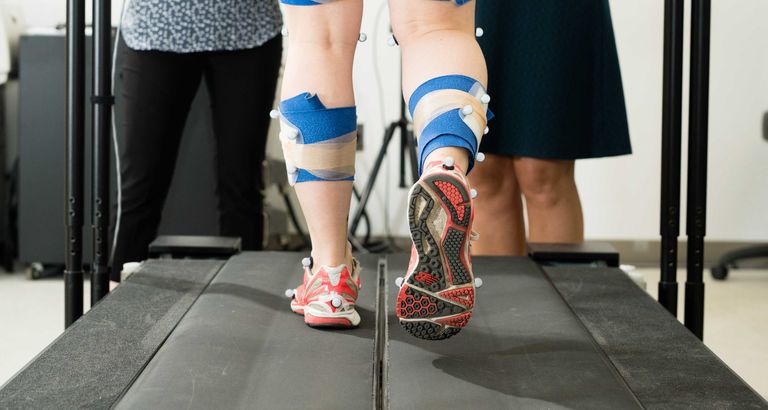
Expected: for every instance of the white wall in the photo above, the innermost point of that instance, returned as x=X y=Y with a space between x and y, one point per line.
x=621 y=195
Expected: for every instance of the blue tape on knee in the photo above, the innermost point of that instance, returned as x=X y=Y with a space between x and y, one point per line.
x=317 y=124
x=448 y=129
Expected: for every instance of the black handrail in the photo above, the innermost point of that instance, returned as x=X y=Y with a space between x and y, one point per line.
x=696 y=213
x=73 y=272
x=102 y=124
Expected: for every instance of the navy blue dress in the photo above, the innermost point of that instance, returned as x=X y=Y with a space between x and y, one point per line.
x=554 y=79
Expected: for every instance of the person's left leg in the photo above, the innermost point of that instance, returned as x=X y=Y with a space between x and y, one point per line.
x=552 y=200
x=242 y=87
x=444 y=77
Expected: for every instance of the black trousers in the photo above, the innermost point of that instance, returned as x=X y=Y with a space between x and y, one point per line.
x=151 y=112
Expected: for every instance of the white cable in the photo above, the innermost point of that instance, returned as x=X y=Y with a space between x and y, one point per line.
x=382 y=112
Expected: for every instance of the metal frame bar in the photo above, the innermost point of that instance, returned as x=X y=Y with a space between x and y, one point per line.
x=75 y=128
x=696 y=213
x=670 y=151
x=101 y=123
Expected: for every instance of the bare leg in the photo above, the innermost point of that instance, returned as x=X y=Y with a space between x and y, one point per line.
x=437 y=38
x=552 y=200
x=498 y=208
x=321 y=48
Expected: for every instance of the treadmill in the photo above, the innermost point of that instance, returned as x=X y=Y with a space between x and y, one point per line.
x=564 y=328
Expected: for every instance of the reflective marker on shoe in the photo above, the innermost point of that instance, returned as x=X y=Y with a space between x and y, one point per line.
x=473 y=193
x=399 y=282
x=336 y=302
x=289 y=293
x=274 y=114
x=478 y=283
x=448 y=163
x=362 y=37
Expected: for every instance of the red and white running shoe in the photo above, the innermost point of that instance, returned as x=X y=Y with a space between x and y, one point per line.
x=327 y=297
x=437 y=295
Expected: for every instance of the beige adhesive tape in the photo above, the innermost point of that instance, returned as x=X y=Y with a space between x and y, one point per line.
x=439 y=102
x=320 y=156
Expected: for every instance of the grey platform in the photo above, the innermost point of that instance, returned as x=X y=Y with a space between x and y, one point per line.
x=208 y=334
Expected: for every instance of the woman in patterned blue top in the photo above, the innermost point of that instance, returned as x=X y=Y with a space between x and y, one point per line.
x=165 y=48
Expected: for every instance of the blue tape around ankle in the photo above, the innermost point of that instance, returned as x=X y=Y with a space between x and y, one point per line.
x=317 y=124
x=448 y=129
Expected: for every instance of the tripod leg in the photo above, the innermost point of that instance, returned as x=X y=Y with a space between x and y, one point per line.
x=411 y=147
x=372 y=179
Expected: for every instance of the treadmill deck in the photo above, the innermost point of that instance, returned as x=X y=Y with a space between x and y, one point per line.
x=208 y=334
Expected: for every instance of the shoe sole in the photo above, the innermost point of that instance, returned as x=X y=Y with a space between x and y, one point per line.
x=344 y=320
x=436 y=299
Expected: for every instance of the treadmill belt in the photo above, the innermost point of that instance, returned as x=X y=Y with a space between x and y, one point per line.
x=523 y=349
x=241 y=347
x=213 y=335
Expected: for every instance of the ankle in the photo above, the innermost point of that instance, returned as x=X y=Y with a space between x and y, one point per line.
x=331 y=259
x=460 y=157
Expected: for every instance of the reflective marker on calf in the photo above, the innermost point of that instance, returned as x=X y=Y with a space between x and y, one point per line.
x=480 y=157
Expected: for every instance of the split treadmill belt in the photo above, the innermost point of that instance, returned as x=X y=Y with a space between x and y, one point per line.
x=523 y=349
x=241 y=347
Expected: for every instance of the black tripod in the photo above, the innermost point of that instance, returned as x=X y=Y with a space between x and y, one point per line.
x=407 y=144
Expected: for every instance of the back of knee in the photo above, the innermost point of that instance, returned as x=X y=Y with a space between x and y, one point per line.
x=410 y=26
x=545 y=184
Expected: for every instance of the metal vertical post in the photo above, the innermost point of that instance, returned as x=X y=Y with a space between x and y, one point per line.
x=696 y=213
x=73 y=273
x=101 y=123
x=670 y=151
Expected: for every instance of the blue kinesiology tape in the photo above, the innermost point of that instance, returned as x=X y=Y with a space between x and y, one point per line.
x=317 y=124
x=447 y=129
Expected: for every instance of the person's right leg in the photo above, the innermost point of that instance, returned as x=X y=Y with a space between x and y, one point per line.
x=444 y=79
x=552 y=200
x=318 y=133
x=242 y=86
x=498 y=208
